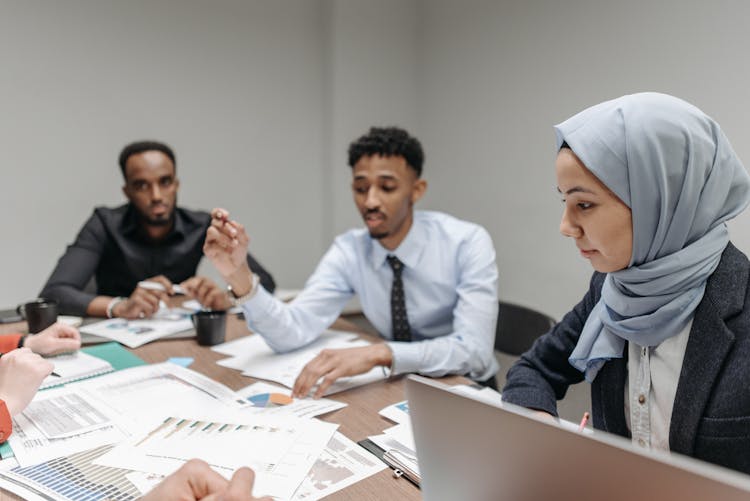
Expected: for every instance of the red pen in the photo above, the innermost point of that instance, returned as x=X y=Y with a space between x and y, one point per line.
x=584 y=420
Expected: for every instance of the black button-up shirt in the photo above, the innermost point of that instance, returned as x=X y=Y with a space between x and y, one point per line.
x=112 y=249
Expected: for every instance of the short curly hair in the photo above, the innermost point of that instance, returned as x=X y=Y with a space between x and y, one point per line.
x=141 y=146
x=388 y=142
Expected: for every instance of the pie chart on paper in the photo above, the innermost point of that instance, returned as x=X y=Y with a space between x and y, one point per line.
x=265 y=400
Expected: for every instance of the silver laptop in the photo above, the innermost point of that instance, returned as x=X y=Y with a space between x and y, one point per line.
x=470 y=450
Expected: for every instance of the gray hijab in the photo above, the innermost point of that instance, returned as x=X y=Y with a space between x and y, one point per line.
x=674 y=167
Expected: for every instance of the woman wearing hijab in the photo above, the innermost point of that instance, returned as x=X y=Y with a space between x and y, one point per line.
x=663 y=334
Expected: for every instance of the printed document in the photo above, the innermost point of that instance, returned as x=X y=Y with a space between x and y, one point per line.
x=280 y=450
x=134 y=333
x=256 y=359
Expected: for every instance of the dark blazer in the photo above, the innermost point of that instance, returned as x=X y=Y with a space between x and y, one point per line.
x=711 y=413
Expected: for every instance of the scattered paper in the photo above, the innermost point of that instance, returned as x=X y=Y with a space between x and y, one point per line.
x=181 y=361
x=281 y=451
x=341 y=464
x=31 y=446
x=263 y=399
x=398 y=413
x=144 y=482
x=256 y=359
x=402 y=434
x=65 y=414
x=134 y=333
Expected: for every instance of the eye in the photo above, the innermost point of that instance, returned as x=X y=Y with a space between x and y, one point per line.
x=584 y=205
x=140 y=185
x=388 y=188
x=166 y=182
x=360 y=188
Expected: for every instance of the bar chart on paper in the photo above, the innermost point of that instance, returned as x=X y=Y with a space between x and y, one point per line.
x=281 y=450
x=75 y=478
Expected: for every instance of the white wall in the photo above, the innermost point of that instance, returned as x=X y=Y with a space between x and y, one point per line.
x=497 y=75
x=373 y=81
x=261 y=98
x=234 y=86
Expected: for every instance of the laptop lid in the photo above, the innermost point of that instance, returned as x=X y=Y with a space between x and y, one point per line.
x=473 y=450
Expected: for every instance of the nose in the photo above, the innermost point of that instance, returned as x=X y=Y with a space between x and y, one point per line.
x=155 y=192
x=373 y=200
x=568 y=227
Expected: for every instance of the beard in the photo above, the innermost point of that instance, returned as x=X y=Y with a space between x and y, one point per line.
x=378 y=235
x=159 y=221
x=375 y=233
x=165 y=220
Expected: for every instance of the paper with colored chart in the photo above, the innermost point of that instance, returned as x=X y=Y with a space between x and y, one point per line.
x=134 y=333
x=341 y=464
x=398 y=412
x=281 y=450
x=270 y=399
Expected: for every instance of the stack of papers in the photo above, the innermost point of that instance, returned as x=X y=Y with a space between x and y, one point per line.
x=254 y=358
x=119 y=434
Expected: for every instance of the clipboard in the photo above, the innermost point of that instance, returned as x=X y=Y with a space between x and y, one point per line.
x=401 y=464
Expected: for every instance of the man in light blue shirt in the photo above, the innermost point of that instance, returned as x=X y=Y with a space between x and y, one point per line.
x=426 y=280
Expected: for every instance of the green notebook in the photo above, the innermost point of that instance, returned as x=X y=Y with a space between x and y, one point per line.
x=115 y=354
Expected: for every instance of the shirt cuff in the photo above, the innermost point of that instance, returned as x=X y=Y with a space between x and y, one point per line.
x=258 y=305
x=407 y=357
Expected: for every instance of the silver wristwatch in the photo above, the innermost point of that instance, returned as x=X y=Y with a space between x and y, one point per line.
x=239 y=300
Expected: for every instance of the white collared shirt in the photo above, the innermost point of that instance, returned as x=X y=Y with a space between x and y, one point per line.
x=650 y=389
x=450 y=284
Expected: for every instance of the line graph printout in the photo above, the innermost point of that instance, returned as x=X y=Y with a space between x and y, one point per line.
x=280 y=450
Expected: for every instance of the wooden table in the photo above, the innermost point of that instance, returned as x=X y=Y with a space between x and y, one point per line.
x=357 y=421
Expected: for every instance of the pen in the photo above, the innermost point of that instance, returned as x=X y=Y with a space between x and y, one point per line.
x=584 y=420
x=156 y=286
x=55 y=374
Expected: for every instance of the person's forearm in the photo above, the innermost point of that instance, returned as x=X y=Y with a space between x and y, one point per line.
x=241 y=281
x=98 y=306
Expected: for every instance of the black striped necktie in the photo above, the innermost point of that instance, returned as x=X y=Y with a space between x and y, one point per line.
x=399 y=319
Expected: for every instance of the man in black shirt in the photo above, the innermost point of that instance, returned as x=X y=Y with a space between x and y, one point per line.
x=147 y=239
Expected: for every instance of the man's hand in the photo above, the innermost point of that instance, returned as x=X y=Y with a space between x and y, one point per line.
x=57 y=338
x=195 y=480
x=333 y=364
x=21 y=373
x=143 y=302
x=226 y=246
x=207 y=292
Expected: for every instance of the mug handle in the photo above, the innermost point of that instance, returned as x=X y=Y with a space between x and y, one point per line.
x=21 y=310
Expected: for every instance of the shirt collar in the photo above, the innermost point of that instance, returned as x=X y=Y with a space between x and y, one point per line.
x=409 y=250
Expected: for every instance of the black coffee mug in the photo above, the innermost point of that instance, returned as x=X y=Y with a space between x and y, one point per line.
x=39 y=314
x=210 y=326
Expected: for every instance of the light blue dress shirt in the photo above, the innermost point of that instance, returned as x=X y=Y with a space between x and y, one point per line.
x=450 y=283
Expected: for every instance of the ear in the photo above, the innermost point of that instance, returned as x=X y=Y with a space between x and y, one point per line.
x=418 y=190
x=176 y=183
x=125 y=190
